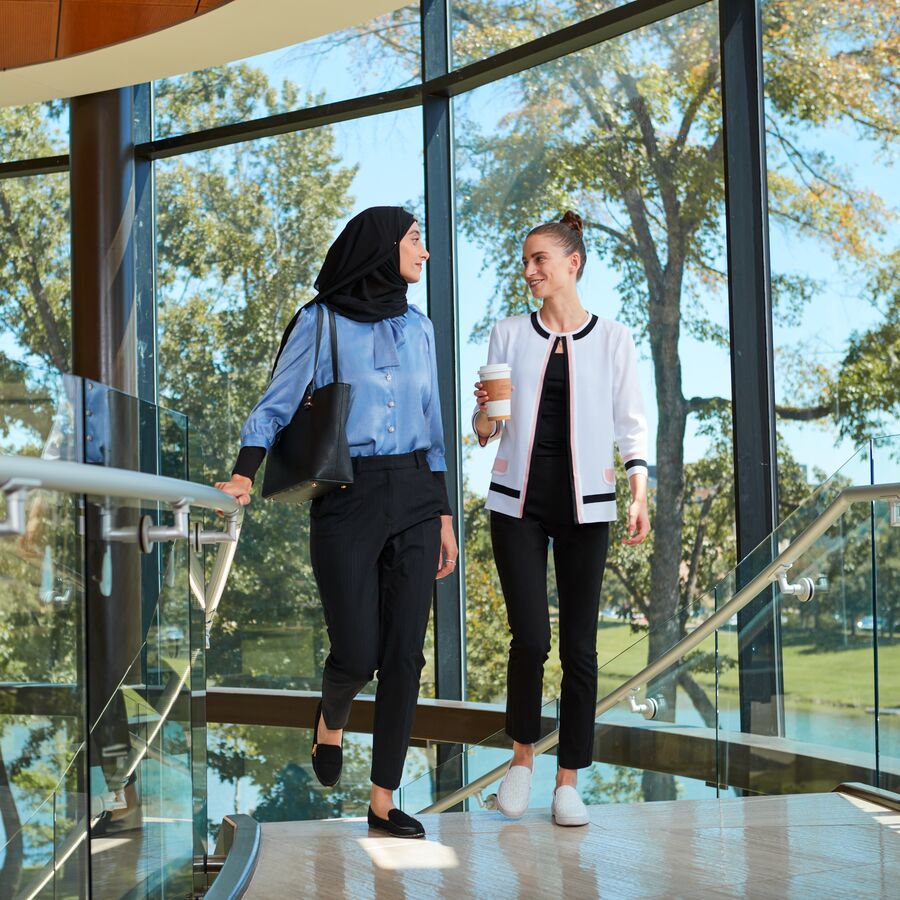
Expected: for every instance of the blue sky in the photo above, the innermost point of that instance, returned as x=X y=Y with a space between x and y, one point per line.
x=388 y=152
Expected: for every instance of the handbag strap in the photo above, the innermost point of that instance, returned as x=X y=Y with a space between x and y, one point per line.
x=318 y=339
x=332 y=327
x=334 y=350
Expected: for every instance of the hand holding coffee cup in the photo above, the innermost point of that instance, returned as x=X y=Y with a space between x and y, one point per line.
x=494 y=391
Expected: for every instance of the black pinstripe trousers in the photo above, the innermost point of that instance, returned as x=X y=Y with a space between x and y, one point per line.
x=374 y=548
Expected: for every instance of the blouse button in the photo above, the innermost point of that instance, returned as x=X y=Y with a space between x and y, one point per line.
x=391 y=429
x=388 y=377
x=390 y=404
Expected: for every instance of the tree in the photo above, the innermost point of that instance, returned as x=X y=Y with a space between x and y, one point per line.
x=630 y=133
x=241 y=232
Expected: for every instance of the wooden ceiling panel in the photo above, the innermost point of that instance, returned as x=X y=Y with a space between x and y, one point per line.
x=33 y=31
x=27 y=31
x=86 y=25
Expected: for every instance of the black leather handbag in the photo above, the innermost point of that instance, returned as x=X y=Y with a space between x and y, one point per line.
x=310 y=455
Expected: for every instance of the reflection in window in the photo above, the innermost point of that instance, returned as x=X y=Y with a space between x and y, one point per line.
x=33 y=131
x=629 y=134
x=832 y=132
x=482 y=28
x=379 y=55
x=242 y=231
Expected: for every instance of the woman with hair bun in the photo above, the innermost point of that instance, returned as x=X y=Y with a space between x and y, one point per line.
x=576 y=393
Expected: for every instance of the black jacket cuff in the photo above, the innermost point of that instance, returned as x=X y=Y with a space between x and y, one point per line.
x=248 y=461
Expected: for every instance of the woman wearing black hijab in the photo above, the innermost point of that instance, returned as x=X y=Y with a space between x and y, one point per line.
x=376 y=546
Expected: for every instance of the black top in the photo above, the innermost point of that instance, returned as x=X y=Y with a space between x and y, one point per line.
x=552 y=434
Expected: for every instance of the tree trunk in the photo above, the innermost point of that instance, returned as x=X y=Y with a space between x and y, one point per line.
x=665 y=594
x=12 y=824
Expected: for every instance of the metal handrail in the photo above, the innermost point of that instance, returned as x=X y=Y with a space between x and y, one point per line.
x=21 y=474
x=770 y=574
x=79 y=478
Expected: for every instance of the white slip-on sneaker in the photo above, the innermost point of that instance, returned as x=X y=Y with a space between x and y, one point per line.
x=568 y=808
x=514 y=791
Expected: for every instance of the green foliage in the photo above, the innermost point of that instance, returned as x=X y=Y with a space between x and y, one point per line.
x=240 y=237
x=487 y=631
x=629 y=133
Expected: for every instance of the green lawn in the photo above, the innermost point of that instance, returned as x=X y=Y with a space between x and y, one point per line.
x=811 y=677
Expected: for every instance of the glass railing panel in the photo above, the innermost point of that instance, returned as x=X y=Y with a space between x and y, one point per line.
x=75 y=586
x=855 y=471
x=476 y=760
x=142 y=739
x=39 y=409
x=266 y=771
x=142 y=792
x=46 y=856
x=819 y=727
x=667 y=727
x=42 y=685
x=885 y=616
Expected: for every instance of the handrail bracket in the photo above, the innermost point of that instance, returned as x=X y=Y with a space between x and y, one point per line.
x=201 y=536
x=804 y=589
x=145 y=533
x=16 y=492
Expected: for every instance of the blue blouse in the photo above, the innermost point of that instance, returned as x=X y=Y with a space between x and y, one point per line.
x=390 y=365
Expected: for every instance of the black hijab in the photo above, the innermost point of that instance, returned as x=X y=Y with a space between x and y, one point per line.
x=360 y=278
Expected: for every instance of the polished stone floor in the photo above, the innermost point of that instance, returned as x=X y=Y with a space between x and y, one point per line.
x=812 y=845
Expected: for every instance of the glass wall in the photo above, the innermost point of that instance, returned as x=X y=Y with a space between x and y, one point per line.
x=629 y=134
x=241 y=234
x=832 y=137
x=483 y=28
x=378 y=55
x=582 y=134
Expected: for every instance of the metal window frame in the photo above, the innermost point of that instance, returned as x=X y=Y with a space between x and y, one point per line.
x=752 y=352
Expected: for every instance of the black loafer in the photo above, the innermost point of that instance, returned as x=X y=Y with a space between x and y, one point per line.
x=397 y=824
x=327 y=759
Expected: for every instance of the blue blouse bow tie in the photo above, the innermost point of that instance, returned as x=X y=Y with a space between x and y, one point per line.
x=390 y=336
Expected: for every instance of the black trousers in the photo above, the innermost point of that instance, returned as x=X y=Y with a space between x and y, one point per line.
x=579 y=555
x=374 y=548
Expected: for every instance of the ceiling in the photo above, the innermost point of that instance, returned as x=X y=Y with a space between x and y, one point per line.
x=35 y=31
x=51 y=49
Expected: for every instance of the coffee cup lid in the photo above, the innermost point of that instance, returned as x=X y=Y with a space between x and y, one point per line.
x=495 y=369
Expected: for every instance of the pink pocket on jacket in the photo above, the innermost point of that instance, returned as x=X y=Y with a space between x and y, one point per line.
x=500 y=466
x=609 y=476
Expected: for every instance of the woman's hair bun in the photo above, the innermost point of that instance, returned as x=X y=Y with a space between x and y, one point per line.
x=572 y=220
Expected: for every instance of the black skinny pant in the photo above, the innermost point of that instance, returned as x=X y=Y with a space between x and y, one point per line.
x=374 y=548
x=579 y=555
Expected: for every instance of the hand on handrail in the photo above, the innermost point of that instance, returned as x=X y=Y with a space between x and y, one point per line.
x=239 y=487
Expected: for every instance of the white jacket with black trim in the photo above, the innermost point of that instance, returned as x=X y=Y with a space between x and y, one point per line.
x=605 y=407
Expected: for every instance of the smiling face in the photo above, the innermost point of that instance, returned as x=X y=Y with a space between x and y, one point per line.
x=412 y=254
x=547 y=269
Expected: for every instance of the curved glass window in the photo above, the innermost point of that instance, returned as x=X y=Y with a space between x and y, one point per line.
x=379 y=55
x=628 y=134
x=241 y=234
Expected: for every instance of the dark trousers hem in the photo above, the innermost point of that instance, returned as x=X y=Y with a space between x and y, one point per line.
x=374 y=549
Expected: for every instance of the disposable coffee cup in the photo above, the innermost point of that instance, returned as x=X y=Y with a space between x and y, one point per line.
x=497 y=381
